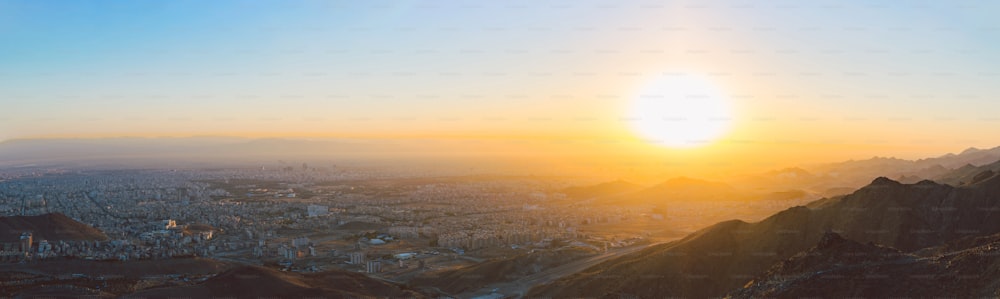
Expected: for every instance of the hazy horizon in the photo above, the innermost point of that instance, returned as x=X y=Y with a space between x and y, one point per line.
x=464 y=156
x=716 y=83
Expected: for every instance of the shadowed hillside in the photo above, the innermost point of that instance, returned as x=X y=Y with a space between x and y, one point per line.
x=838 y=267
x=727 y=255
x=456 y=281
x=257 y=282
x=52 y=227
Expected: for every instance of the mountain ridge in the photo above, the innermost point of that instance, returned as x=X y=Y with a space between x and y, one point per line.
x=725 y=256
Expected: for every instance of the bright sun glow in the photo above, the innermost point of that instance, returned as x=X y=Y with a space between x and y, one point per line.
x=681 y=111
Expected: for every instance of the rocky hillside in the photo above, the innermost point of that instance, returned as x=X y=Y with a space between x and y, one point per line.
x=726 y=256
x=841 y=268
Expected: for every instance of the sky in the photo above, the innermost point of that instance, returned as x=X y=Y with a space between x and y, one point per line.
x=802 y=80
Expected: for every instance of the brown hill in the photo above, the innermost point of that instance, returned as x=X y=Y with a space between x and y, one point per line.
x=725 y=256
x=52 y=227
x=844 y=268
x=61 y=291
x=600 y=190
x=680 y=189
x=105 y=279
x=833 y=249
x=783 y=195
x=257 y=282
x=456 y=281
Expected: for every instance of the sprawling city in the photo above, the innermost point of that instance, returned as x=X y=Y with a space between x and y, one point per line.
x=314 y=218
x=499 y=149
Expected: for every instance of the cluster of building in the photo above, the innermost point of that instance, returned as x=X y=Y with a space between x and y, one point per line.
x=28 y=249
x=268 y=214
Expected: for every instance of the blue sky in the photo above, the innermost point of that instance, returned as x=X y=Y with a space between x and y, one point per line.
x=181 y=68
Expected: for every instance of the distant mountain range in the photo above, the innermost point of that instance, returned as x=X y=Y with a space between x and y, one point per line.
x=969 y=174
x=154 y=152
x=856 y=173
x=455 y=156
x=826 y=180
x=723 y=258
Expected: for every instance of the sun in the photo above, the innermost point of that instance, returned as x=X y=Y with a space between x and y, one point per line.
x=681 y=111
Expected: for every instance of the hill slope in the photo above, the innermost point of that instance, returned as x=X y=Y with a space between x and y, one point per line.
x=725 y=256
x=257 y=282
x=601 y=190
x=53 y=226
x=457 y=281
x=843 y=268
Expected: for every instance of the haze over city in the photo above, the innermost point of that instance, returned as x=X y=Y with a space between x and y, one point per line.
x=498 y=149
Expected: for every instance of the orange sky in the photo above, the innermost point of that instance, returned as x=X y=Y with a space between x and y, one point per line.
x=806 y=85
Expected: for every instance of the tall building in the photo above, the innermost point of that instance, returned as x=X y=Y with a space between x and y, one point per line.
x=317 y=210
x=374 y=266
x=25 y=242
x=44 y=246
x=357 y=257
x=169 y=223
x=300 y=242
